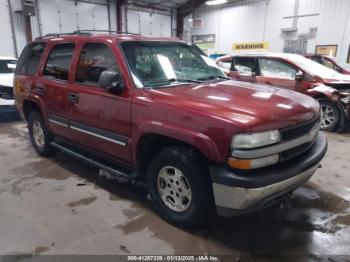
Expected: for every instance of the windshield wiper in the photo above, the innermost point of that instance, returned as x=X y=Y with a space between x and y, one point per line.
x=171 y=80
x=212 y=77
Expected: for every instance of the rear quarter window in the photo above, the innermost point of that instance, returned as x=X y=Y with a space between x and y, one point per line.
x=30 y=59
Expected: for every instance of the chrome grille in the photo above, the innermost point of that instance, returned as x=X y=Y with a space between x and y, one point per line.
x=292 y=132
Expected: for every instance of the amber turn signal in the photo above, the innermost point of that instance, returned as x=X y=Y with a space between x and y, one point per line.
x=253 y=163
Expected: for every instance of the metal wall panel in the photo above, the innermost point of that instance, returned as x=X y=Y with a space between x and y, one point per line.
x=148 y=23
x=60 y=16
x=6 y=41
x=254 y=20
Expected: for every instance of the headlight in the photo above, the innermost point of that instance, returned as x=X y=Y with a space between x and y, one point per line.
x=253 y=163
x=254 y=140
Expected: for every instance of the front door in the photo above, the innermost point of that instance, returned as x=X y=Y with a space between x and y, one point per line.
x=99 y=119
x=277 y=73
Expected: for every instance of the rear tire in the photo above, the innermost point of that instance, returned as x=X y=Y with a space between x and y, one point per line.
x=330 y=115
x=180 y=188
x=39 y=134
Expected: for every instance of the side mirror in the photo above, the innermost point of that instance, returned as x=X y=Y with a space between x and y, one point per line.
x=111 y=81
x=299 y=76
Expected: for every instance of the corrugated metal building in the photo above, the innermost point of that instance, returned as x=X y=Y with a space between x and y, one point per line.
x=280 y=22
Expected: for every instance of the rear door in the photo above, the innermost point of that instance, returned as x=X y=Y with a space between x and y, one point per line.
x=99 y=119
x=276 y=72
x=27 y=72
x=243 y=68
x=53 y=85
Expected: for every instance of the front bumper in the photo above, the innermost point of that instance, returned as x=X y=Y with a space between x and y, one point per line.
x=236 y=194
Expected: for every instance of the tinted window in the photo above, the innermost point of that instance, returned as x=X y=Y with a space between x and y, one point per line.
x=7 y=66
x=317 y=59
x=244 y=65
x=93 y=60
x=274 y=68
x=59 y=60
x=328 y=64
x=30 y=58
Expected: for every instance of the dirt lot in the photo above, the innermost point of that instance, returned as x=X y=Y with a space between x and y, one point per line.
x=60 y=206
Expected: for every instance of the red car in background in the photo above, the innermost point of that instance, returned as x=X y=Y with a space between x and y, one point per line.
x=295 y=72
x=331 y=62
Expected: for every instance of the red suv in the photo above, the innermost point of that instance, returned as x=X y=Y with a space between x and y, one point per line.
x=295 y=72
x=158 y=110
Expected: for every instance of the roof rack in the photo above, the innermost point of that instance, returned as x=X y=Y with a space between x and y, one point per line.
x=83 y=32
x=59 y=34
x=101 y=31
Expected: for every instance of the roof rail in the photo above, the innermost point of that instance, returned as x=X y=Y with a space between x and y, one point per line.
x=59 y=34
x=106 y=31
x=83 y=32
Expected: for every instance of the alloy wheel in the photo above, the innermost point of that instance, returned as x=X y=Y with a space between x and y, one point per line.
x=38 y=134
x=327 y=116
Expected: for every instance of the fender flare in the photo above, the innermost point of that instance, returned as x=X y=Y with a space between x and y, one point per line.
x=200 y=141
x=36 y=100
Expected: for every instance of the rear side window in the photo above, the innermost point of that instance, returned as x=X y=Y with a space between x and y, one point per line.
x=329 y=64
x=244 y=65
x=94 y=59
x=59 y=61
x=30 y=59
x=317 y=59
x=226 y=64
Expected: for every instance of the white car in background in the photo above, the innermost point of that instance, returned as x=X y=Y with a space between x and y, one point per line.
x=7 y=70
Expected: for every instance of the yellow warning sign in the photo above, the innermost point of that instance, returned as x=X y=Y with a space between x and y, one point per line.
x=250 y=46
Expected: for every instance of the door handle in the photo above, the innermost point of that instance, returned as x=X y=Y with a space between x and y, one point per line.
x=73 y=98
x=40 y=90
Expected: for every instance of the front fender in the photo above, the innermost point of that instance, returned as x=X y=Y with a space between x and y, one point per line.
x=198 y=140
x=323 y=91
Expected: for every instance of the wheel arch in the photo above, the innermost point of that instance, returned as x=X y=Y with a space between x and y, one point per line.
x=30 y=106
x=150 y=137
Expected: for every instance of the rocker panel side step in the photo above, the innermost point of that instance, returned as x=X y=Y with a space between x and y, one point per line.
x=112 y=170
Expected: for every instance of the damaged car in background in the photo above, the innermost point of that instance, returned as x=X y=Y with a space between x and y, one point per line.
x=331 y=62
x=295 y=72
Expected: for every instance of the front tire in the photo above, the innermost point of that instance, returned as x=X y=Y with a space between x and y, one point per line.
x=179 y=186
x=330 y=115
x=40 y=136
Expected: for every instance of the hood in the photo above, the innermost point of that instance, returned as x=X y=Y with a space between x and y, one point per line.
x=6 y=79
x=250 y=106
x=336 y=79
x=341 y=82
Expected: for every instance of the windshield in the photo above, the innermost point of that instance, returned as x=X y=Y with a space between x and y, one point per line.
x=7 y=66
x=312 y=67
x=156 y=64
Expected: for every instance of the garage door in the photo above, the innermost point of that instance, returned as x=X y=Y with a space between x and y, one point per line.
x=6 y=47
x=63 y=16
x=145 y=23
